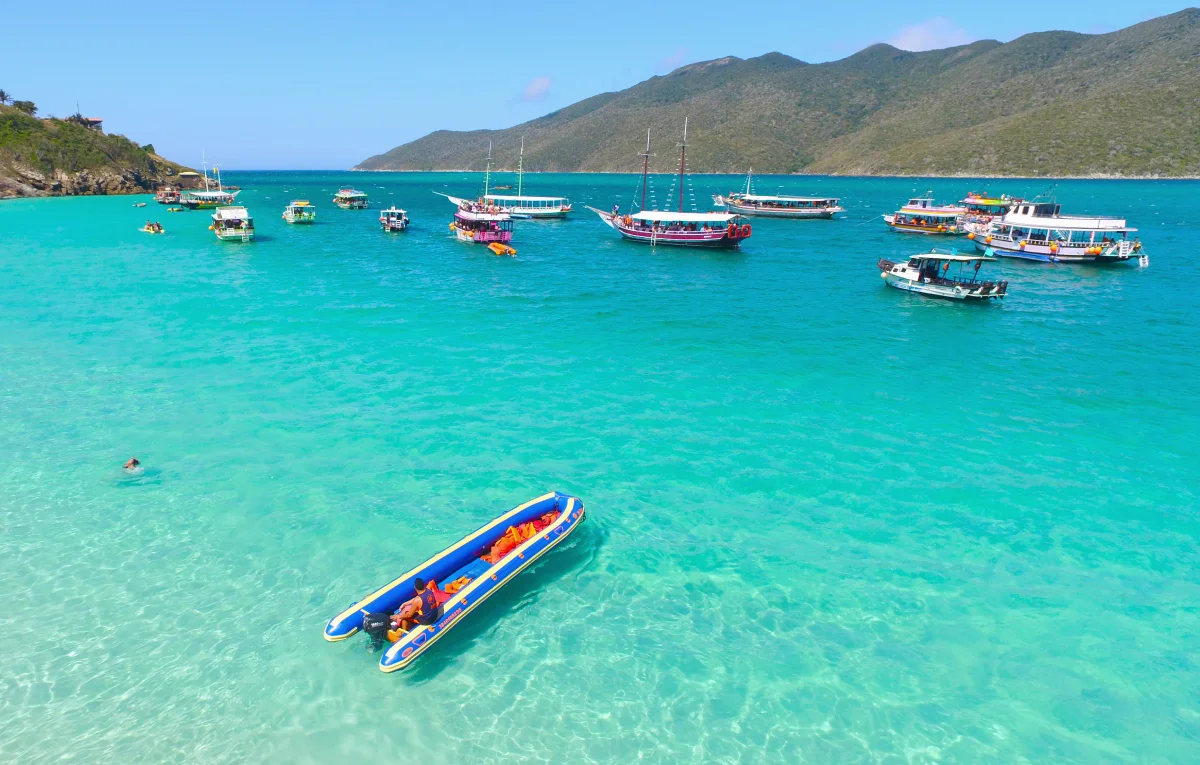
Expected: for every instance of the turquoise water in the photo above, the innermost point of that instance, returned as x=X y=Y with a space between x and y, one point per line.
x=829 y=522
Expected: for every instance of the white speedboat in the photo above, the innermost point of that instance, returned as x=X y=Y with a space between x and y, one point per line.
x=929 y=274
x=1038 y=230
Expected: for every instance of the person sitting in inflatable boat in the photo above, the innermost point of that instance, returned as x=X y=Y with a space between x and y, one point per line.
x=425 y=608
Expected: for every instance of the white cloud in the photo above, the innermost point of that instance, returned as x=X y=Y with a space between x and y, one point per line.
x=935 y=33
x=672 y=62
x=537 y=89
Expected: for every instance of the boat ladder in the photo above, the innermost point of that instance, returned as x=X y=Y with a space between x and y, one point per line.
x=1126 y=249
x=245 y=235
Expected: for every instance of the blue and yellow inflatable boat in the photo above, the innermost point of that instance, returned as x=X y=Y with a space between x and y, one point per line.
x=463 y=562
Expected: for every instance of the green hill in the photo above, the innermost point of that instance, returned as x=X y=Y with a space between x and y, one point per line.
x=1051 y=103
x=51 y=157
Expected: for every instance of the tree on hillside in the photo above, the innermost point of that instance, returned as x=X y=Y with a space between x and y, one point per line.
x=26 y=106
x=5 y=98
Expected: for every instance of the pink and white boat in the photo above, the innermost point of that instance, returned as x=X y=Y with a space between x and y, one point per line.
x=691 y=229
x=482 y=227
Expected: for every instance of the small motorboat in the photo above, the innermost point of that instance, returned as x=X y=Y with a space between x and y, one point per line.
x=139 y=204
x=929 y=274
x=468 y=572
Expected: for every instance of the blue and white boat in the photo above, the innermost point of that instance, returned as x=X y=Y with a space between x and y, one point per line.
x=1038 y=230
x=463 y=559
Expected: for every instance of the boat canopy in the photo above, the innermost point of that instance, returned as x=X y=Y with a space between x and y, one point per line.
x=782 y=198
x=947 y=256
x=211 y=194
x=232 y=213
x=1065 y=222
x=301 y=203
x=393 y=211
x=350 y=193
x=932 y=212
x=480 y=216
x=500 y=198
x=661 y=216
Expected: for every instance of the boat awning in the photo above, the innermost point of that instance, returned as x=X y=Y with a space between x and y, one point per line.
x=1066 y=223
x=469 y=215
x=350 y=193
x=763 y=198
x=523 y=199
x=659 y=216
x=933 y=212
x=952 y=257
x=232 y=213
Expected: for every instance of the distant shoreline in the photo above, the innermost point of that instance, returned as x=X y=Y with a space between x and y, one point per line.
x=1093 y=177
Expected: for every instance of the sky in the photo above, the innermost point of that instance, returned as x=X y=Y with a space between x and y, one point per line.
x=323 y=85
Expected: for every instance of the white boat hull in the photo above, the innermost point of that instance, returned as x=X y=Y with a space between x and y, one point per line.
x=823 y=213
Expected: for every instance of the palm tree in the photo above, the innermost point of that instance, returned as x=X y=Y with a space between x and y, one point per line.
x=26 y=106
x=5 y=98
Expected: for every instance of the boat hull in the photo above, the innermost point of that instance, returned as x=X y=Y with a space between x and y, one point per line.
x=906 y=228
x=1039 y=252
x=387 y=599
x=236 y=236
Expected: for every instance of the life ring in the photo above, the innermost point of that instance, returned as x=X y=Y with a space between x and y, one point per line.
x=745 y=231
x=732 y=231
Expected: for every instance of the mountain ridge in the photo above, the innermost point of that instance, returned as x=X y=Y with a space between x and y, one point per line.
x=1052 y=103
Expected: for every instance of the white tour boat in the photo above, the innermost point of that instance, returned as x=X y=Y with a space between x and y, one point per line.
x=929 y=274
x=924 y=216
x=393 y=219
x=778 y=205
x=350 y=199
x=1038 y=230
x=209 y=198
x=516 y=205
x=300 y=211
x=233 y=224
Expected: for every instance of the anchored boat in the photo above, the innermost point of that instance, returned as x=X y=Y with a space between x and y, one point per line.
x=516 y=205
x=472 y=225
x=300 y=211
x=350 y=199
x=981 y=209
x=468 y=572
x=923 y=216
x=393 y=219
x=778 y=206
x=233 y=224
x=167 y=195
x=209 y=198
x=929 y=274
x=1038 y=230
x=693 y=229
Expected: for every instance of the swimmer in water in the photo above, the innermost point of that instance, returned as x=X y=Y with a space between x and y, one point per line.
x=132 y=464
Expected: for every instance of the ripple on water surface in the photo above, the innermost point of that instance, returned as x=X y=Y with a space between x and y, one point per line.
x=828 y=522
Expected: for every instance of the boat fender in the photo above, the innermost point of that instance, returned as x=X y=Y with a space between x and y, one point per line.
x=971 y=235
x=941 y=228
x=1054 y=248
x=745 y=231
x=883 y=274
x=1021 y=244
x=988 y=240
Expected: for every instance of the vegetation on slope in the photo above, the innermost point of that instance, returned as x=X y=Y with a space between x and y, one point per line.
x=63 y=156
x=1053 y=103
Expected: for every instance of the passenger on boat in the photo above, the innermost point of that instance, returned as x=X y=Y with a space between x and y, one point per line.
x=425 y=608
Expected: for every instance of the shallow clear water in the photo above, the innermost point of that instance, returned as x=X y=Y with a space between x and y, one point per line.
x=828 y=521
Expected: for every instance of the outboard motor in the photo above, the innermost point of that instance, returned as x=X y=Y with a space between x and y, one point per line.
x=376 y=626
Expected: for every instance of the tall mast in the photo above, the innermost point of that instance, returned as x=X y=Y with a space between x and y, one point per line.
x=204 y=168
x=748 y=179
x=217 y=170
x=521 y=168
x=487 y=176
x=645 y=167
x=682 y=158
